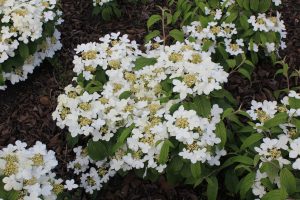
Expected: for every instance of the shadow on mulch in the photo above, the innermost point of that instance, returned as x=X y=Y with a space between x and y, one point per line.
x=26 y=108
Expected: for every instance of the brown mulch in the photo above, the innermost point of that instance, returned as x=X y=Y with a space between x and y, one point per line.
x=26 y=108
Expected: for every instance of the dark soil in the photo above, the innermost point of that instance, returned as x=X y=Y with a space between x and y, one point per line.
x=26 y=108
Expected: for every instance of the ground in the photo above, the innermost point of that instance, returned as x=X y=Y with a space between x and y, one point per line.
x=26 y=108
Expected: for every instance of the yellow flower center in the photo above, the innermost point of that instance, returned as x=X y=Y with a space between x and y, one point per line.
x=65 y=111
x=85 y=106
x=117 y=87
x=196 y=58
x=182 y=122
x=262 y=116
x=103 y=100
x=102 y=171
x=38 y=159
x=192 y=147
x=148 y=140
x=58 y=188
x=199 y=29
x=176 y=57
x=275 y=153
x=11 y=168
x=189 y=80
x=215 y=29
x=89 y=55
x=31 y=181
x=90 y=68
x=261 y=21
x=84 y=121
x=137 y=154
x=115 y=64
x=21 y=12
x=130 y=77
x=234 y=47
x=72 y=94
x=153 y=108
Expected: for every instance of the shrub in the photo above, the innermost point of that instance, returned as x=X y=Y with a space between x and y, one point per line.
x=151 y=112
x=28 y=173
x=237 y=33
x=28 y=36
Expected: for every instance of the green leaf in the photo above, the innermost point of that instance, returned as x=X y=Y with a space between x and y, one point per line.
x=152 y=35
x=231 y=63
x=13 y=195
x=143 y=61
x=152 y=20
x=252 y=139
x=279 y=118
x=107 y=13
x=294 y=103
x=169 y=18
x=202 y=105
x=275 y=195
x=227 y=112
x=221 y=133
x=164 y=152
x=296 y=122
x=196 y=169
x=246 y=4
x=176 y=164
x=212 y=188
x=245 y=73
x=238 y=159
x=177 y=35
x=240 y=2
x=23 y=50
x=231 y=181
x=288 y=181
x=254 y=5
x=72 y=141
x=244 y=22
x=233 y=15
x=125 y=95
x=271 y=168
x=246 y=184
x=94 y=86
x=264 y=5
x=97 y=150
x=125 y=133
x=207 y=44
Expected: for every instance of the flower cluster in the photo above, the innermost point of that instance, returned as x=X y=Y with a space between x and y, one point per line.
x=279 y=148
x=93 y=174
x=27 y=36
x=121 y=89
x=222 y=31
x=29 y=172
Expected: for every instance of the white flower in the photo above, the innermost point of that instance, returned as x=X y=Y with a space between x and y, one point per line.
x=276 y=2
x=295 y=148
x=11 y=183
x=70 y=185
x=270 y=47
x=295 y=95
x=296 y=164
x=234 y=48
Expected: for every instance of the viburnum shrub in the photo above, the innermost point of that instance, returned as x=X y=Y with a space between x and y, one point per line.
x=28 y=35
x=267 y=151
x=28 y=173
x=236 y=32
x=154 y=112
